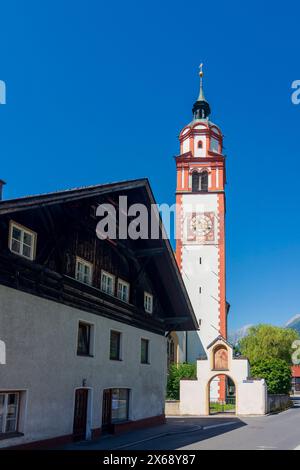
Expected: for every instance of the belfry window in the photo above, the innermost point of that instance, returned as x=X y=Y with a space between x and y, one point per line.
x=204 y=181
x=195 y=181
x=200 y=144
x=200 y=181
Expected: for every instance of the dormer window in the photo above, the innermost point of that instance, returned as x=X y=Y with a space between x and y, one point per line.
x=84 y=271
x=123 y=290
x=107 y=283
x=22 y=241
x=148 y=302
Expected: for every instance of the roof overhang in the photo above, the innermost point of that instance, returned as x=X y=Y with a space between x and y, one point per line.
x=181 y=315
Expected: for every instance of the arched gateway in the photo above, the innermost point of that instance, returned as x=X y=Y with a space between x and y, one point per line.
x=250 y=394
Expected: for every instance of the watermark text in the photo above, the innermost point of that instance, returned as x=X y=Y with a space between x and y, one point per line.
x=2 y=92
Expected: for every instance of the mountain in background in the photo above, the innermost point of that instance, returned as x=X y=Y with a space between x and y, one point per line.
x=235 y=336
x=294 y=323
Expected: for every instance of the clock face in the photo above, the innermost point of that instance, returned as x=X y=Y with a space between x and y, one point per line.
x=200 y=227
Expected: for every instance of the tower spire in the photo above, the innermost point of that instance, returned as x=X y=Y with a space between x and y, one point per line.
x=201 y=108
x=201 y=94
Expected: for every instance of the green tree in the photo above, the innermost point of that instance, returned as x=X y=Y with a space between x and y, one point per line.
x=267 y=341
x=276 y=372
x=179 y=372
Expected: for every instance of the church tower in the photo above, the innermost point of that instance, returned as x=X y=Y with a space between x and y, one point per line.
x=200 y=226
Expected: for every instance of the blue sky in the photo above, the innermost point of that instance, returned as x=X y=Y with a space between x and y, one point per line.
x=98 y=91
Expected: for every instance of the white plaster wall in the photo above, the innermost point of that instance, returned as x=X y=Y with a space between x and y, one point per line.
x=190 y=399
x=41 y=345
x=252 y=398
x=186 y=145
x=238 y=370
x=204 y=275
x=251 y=395
x=200 y=152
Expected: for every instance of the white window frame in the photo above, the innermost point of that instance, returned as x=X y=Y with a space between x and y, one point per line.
x=123 y=283
x=113 y=279
x=23 y=231
x=6 y=394
x=87 y=264
x=148 y=306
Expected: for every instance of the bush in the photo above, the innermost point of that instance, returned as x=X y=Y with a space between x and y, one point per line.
x=179 y=372
x=276 y=372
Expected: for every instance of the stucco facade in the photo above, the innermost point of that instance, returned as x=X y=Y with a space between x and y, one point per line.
x=202 y=275
x=41 y=362
x=83 y=319
x=251 y=394
x=200 y=226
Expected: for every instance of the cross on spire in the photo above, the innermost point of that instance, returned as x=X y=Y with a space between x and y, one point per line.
x=201 y=109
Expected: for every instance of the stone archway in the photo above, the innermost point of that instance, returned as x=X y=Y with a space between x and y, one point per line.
x=224 y=404
x=250 y=394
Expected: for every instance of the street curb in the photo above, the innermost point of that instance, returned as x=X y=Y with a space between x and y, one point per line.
x=172 y=433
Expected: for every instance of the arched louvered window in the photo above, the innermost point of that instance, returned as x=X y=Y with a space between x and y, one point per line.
x=203 y=181
x=195 y=181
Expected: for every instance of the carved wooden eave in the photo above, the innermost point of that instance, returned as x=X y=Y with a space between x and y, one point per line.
x=56 y=217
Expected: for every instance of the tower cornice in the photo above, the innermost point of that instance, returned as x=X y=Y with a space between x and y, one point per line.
x=189 y=158
x=204 y=193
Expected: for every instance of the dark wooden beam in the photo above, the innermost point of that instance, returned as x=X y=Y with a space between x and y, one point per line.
x=172 y=320
x=149 y=252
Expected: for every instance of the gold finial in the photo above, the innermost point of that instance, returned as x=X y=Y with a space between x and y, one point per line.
x=201 y=70
x=201 y=94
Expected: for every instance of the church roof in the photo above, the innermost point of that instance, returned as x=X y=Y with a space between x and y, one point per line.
x=220 y=338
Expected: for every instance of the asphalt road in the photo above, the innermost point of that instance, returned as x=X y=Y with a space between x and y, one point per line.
x=280 y=431
x=277 y=431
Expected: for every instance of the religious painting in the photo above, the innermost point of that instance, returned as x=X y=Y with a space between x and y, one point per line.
x=221 y=358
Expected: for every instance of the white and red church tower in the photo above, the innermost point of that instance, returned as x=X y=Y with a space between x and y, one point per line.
x=200 y=227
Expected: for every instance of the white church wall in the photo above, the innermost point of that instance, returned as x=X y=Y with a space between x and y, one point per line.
x=185 y=146
x=200 y=152
x=252 y=397
x=202 y=275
